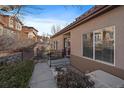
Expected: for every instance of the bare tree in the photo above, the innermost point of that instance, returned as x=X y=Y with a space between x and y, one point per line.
x=18 y=10
x=55 y=29
x=58 y=28
x=9 y=43
x=8 y=8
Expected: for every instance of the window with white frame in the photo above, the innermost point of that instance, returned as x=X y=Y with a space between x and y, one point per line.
x=88 y=45
x=55 y=45
x=17 y=25
x=11 y=22
x=99 y=45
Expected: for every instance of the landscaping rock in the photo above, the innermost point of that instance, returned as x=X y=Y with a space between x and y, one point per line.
x=11 y=58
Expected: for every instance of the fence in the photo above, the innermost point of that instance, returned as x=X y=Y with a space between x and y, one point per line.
x=56 y=58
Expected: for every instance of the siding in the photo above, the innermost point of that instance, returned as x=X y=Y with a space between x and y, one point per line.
x=113 y=17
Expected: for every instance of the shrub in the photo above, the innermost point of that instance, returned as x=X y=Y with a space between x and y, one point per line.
x=9 y=43
x=72 y=79
x=16 y=75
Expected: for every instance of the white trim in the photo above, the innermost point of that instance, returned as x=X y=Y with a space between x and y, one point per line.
x=81 y=44
x=96 y=60
x=114 y=46
x=93 y=45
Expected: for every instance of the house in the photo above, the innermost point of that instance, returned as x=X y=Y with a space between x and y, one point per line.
x=13 y=27
x=39 y=39
x=29 y=32
x=10 y=25
x=95 y=40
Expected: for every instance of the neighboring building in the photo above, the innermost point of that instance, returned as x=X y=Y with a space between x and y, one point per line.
x=12 y=26
x=95 y=40
x=29 y=32
x=9 y=25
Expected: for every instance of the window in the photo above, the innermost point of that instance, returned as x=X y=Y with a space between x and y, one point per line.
x=88 y=45
x=101 y=47
x=10 y=22
x=66 y=42
x=18 y=26
x=55 y=45
x=98 y=44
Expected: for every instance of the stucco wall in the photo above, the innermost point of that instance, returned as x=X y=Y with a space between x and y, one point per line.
x=60 y=41
x=113 y=17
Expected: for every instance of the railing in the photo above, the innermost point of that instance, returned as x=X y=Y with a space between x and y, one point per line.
x=56 y=57
x=53 y=55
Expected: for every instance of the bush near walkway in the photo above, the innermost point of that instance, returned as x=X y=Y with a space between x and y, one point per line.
x=73 y=79
x=16 y=75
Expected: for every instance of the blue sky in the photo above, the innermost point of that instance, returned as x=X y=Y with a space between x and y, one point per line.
x=43 y=17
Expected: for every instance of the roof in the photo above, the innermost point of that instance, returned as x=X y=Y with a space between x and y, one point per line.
x=4 y=24
x=93 y=12
x=30 y=28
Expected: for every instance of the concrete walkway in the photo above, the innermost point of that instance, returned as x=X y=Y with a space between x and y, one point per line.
x=42 y=77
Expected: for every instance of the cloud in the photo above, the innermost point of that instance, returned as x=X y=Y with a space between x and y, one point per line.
x=57 y=15
x=43 y=25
